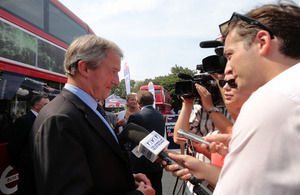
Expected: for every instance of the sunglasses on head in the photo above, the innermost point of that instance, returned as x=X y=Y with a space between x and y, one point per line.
x=236 y=16
x=231 y=83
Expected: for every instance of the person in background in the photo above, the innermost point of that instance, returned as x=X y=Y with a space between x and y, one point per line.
x=150 y=119
x=6 y=122
x=172 y=111
x=131 y=107
x=233 y=99
x=75 y=150
x=204 y=119
x=18 y=148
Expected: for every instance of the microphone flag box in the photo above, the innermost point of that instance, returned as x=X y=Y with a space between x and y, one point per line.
x=152 y=145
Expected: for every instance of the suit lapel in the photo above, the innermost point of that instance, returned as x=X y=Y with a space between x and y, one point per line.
x=32 y=116
x=96 y=122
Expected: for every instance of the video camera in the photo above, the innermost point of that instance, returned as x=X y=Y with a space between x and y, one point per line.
x=210 y=64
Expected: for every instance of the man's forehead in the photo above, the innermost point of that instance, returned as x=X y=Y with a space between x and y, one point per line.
x=229 y=36
x=231 y=39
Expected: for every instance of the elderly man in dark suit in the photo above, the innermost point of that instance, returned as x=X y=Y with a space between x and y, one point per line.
x=18 y=148
x=150 y=119
x=75 y=150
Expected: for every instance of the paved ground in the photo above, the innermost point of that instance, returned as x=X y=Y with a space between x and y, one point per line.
x=168 y=183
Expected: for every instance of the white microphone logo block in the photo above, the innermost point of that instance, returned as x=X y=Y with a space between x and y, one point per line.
x=152 y=145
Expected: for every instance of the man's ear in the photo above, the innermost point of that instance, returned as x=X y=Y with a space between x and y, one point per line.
x=264 y=41
x=35 y=105
x=83 y=68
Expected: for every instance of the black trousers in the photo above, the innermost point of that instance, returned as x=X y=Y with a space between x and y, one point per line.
x=26 y=183
x=155 y=179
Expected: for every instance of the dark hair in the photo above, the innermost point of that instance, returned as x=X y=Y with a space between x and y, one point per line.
x=283 y=20
x=145 y=97
x=35 y=99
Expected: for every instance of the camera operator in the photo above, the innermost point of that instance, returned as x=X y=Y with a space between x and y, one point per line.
x=200 y=122
x=261 y=158
x=207 y=119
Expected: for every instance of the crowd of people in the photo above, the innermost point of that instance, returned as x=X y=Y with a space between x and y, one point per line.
x=70 y=145
x=150 y=119
x=263 y=56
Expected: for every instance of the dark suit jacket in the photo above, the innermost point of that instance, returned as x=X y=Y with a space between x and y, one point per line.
x=75 y=153
x=150 y=119
x=19 y=154
x=18 y=146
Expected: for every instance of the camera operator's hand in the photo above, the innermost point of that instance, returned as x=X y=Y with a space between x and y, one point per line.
x=217 y=76
x=187 y=101
x=206 y=100
x=183 y=119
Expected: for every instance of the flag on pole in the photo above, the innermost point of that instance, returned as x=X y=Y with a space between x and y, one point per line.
x=152 y=90
x=127 y=78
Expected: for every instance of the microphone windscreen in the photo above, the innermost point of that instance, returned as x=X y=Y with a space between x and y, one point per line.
x=135 y=133
x=210 y=44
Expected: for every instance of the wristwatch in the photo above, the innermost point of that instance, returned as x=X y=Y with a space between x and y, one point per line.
x=214 y=109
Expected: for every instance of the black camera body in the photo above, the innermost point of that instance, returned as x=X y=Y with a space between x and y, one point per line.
x=210 y=64
x=186 y=88
x=214 y=63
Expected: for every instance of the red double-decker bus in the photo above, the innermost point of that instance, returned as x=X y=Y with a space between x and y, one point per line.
x=162 y=99
x=34 y=35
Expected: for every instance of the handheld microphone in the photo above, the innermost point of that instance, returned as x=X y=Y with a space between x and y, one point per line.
x=210 y=44
x=192 y=136
x=184 y=76
x=151 y=145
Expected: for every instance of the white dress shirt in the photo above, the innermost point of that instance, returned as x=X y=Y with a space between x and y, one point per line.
x=264 y=155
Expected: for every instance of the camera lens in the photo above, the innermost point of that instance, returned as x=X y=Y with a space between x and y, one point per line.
x=186 y=89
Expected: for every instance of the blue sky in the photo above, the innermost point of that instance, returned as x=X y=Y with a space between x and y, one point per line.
x=157 y=34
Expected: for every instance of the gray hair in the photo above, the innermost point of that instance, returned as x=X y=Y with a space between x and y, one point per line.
x=89 y=48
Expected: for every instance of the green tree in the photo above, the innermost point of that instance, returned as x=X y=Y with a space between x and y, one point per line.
x=179 y=69
x=138 y=84
x=120 y=90
x=168 y=82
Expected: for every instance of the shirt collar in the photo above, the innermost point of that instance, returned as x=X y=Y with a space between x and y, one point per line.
x=148 y=106
x=34 y=112
x=85 y=97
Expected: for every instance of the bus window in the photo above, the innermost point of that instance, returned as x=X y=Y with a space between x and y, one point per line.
x=24 y=10
x=157 y=91
x=63 y=27
x=21 y=46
